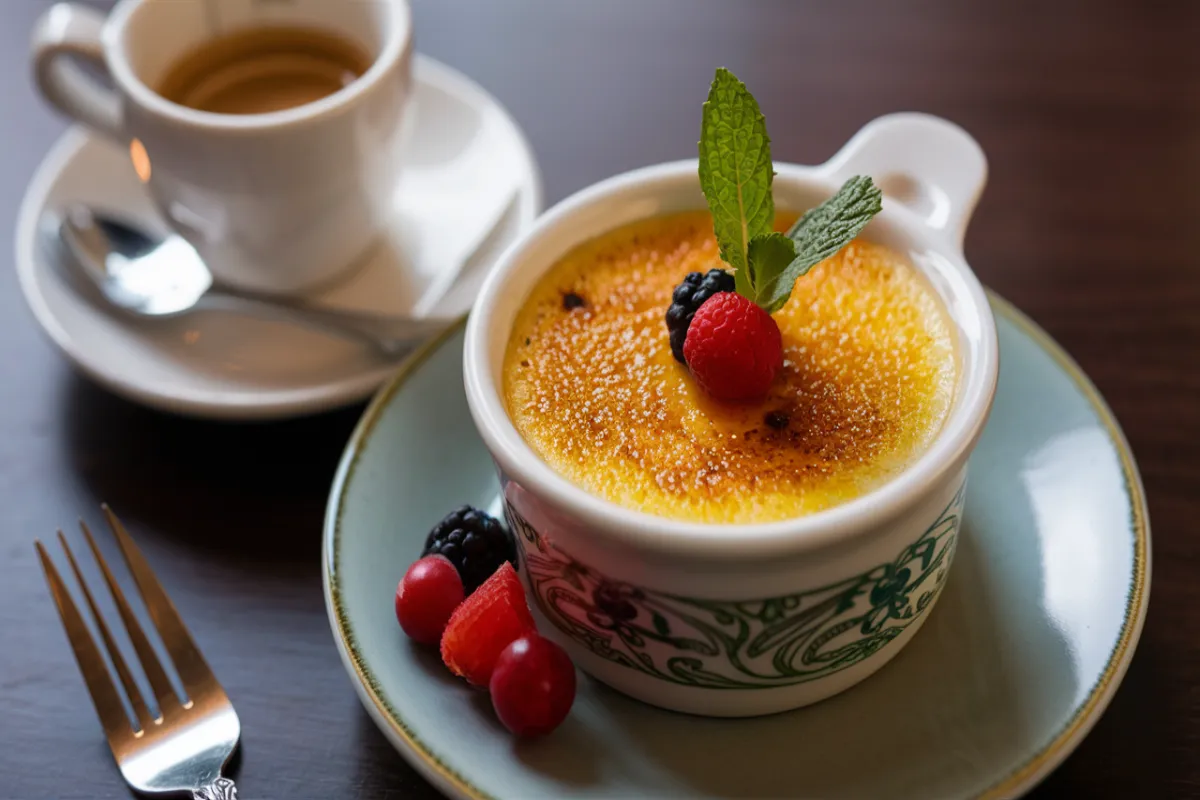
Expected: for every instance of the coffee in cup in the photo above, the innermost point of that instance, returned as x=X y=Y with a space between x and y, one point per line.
x=260 y=70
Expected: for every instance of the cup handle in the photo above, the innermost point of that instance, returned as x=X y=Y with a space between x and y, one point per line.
x=65 y=32
x=927 y=164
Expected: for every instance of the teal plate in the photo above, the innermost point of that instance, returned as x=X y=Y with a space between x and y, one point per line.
x=1035 y=629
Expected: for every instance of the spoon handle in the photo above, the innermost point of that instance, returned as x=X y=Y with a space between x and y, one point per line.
x=390 y=336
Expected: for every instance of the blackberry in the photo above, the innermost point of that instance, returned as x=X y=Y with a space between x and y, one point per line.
x=689 y=296
x=475 y=543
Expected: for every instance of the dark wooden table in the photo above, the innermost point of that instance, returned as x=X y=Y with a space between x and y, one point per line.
x=1090 y=115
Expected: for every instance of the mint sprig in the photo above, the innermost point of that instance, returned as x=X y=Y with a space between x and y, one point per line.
x=736 y=175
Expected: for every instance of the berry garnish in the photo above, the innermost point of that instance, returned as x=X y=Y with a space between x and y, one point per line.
x=736 y=175
x=427 y=597
x=734 y=348
x=486 y=623
x=475 y=542
x=532 y=686
x=688 y=296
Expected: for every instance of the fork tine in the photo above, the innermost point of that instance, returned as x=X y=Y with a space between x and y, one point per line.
x=95 y=674
x=131 y=689
x=193 y=670
x=164 y=692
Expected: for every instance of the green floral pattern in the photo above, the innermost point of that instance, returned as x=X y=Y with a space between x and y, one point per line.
x=756 y=644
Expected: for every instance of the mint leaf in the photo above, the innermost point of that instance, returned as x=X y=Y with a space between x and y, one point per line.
x=829 y=227
x=735 y=172
x=769 y=255
x=817 y=235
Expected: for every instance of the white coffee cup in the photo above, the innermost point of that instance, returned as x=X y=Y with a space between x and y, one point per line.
x=283 y=201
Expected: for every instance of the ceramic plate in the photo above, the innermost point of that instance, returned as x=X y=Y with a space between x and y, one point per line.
x=1035 y=629
x=469 y=187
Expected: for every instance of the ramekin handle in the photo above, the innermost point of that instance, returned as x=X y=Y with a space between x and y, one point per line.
x=928 y=164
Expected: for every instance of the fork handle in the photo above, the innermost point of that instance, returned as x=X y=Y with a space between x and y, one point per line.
x=220 y=789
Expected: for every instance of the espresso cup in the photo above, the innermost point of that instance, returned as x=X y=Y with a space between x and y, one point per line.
x=282 y=201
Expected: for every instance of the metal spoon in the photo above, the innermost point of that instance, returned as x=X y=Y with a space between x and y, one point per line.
x=151 y=277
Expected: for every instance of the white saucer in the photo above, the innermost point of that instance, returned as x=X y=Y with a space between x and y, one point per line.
x=467 y=166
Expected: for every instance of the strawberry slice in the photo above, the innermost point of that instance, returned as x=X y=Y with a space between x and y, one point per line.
x=489 y=620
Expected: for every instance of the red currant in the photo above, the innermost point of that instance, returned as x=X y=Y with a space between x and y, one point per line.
x=532 y=686
x=426 y=597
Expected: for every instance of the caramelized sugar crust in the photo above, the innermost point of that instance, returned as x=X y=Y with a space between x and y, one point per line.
x=868 y=378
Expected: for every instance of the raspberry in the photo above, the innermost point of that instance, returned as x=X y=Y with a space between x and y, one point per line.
x=484 y=624
x=689 y=296
x=475 y=542
x=426 y=597
x=734 y=348
x=533 y=686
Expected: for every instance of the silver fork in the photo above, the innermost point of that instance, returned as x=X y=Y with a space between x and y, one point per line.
x=183 y=746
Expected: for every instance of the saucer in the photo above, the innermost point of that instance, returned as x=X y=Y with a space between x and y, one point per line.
x=470 y=185
x=1033 y=633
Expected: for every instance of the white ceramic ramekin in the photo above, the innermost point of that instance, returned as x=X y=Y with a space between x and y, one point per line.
x=739 y=620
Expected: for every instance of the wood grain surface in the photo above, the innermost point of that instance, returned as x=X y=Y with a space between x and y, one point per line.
x=1090 y=115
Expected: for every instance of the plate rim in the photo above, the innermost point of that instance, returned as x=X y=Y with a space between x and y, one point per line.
x=1020 y=779
x=281 y=404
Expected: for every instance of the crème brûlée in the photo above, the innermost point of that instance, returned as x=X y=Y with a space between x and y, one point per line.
x=589 y=381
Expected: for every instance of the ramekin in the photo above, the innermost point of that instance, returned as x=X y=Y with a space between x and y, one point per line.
x=741 y=620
